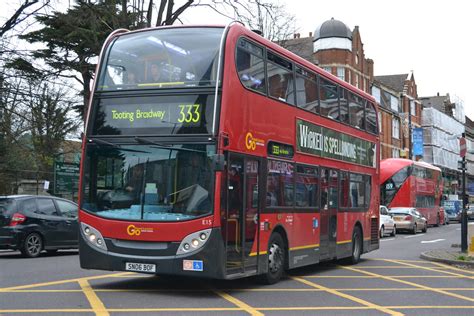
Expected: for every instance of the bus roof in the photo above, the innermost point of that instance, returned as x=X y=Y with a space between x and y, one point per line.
x=301 y=61
x=277 y=48
x=390 y=166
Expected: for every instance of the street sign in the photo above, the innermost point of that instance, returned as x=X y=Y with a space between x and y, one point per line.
x=66 y=178
x=417 y=137
x=462 y=147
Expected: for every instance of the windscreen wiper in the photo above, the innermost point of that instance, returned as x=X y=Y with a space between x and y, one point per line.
x=104 y=142
x=164 y=146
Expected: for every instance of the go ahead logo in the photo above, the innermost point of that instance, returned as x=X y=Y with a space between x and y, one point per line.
x=133 y=230
x=251 y=142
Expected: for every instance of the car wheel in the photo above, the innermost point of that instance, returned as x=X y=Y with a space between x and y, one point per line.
x=415 y=229
x=394 y=231
x=425 y=229
x=276 y=260
x=32 y=245
x=382 y=232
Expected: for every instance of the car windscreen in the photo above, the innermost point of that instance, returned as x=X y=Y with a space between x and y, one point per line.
x=399 y=212
x=162 y=58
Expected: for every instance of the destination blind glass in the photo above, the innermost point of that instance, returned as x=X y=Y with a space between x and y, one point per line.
x=154 y=115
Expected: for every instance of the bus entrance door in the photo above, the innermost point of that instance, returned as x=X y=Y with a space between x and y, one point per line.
x=329 y=206
x=241 y=218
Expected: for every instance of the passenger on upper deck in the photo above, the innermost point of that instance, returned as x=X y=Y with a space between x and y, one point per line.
x=155 y=73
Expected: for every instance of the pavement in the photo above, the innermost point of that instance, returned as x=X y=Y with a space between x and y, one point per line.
x=452 y=256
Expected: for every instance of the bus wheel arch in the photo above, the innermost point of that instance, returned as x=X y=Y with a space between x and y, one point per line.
x=277 y=251
x=357 y=244
x=282 y=232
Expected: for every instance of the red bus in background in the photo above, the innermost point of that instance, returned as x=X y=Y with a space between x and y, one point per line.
x=407 y=183
x=213 y=152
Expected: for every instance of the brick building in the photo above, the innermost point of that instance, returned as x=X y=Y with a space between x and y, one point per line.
x=340 y=51
x=399 y=113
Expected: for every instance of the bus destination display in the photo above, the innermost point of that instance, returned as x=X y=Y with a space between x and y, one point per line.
x=154 y=115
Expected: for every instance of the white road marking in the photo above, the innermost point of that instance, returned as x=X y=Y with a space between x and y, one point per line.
x=414 y=236
x=387 y=239
x=431 y=241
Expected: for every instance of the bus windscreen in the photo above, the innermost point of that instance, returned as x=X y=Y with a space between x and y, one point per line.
x=162 y=58
x=148 y=182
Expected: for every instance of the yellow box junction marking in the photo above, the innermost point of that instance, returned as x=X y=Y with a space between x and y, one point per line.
x=409 y=283
x=249 y=309
x=96 y=304
x=428 y=268
x=29 y=286
x=349 y=297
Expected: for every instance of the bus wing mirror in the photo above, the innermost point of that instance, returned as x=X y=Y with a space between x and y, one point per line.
x=218 y=162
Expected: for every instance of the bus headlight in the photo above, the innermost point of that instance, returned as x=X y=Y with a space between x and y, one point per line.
x=193 y=242
x=93 y=236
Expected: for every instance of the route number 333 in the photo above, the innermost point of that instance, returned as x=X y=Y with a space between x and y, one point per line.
x=189 y=113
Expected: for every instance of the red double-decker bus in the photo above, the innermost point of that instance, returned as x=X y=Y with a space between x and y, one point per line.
x=213 y=152
x=408 y=183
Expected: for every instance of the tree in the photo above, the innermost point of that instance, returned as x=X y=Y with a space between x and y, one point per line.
x=73 y=39
x=35 y=122
x=22 y=14
x=267 y=16
x=50 y=123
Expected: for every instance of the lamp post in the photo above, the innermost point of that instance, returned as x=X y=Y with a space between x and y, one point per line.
x=462 y=153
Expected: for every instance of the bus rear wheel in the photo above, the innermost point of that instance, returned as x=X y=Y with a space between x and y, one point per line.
x=276 y=260
x=356 y=246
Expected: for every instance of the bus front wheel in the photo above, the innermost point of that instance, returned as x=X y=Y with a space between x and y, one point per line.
x=276 y=260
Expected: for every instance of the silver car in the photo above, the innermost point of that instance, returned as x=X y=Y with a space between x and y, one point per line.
x=408 y=218
x=387 y=224
x=470 y=212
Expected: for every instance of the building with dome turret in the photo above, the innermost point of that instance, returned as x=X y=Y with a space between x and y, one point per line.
x=340 y=51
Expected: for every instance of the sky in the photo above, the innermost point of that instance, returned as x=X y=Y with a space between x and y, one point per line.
x=432 y=38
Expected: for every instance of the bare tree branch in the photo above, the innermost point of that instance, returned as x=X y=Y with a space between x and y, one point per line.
x=17 y=17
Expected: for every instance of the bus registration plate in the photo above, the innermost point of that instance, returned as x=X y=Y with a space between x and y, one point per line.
x=140 y=267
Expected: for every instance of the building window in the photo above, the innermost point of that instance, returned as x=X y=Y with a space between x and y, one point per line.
x=380 y=121
x=376 y=93
x=328 y=69
x=350 y=76
x=412 y=108
x=395 y=128
x=357 y=80
x=357 y=59
x=395 y=153
x=394 y=103
x=341 y=72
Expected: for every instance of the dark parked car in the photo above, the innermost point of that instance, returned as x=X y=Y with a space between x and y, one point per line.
x=32 y=223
